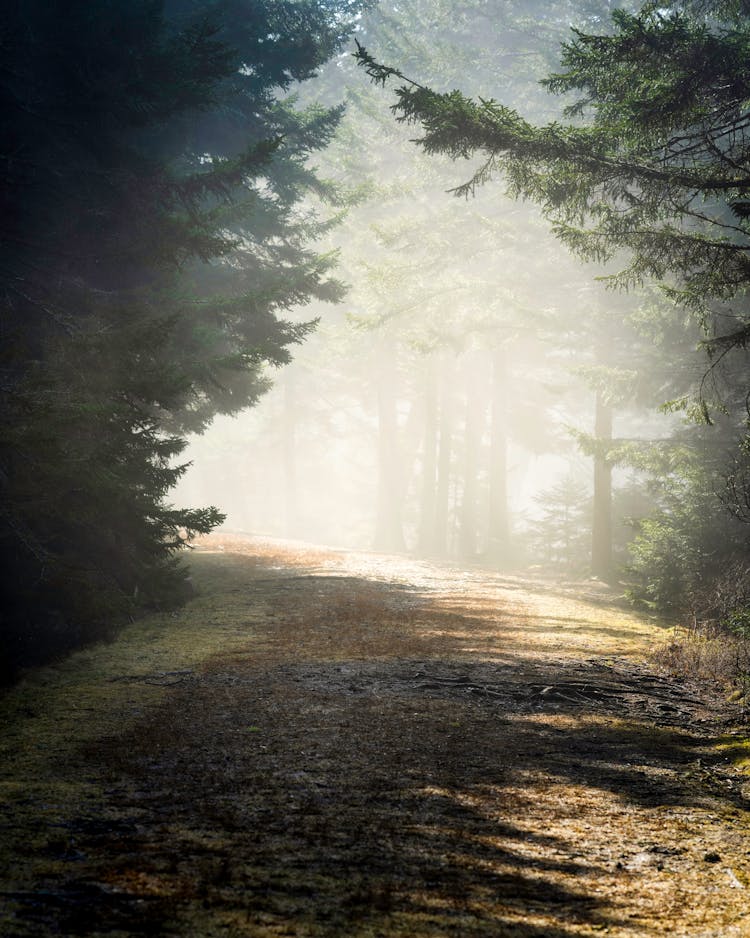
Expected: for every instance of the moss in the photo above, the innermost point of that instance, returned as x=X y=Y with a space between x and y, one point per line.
x=736 y=747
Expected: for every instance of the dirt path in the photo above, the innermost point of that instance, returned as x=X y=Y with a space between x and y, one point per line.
x=348 y=745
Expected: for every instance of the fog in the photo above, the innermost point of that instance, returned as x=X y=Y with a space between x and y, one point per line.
x=448 y=405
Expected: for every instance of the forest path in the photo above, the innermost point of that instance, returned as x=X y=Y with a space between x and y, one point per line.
x=342 y=744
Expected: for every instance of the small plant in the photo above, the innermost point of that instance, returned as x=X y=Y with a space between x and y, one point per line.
x=738 y=622
x=714 y=644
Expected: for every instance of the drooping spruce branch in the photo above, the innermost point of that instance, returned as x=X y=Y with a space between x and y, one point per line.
x=653 y=159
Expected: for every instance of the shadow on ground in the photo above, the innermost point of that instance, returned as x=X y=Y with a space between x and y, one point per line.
x=364 y=770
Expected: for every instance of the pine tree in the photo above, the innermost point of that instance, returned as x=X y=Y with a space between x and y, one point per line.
x=560 y=532
x=651 y=165
x=154 y=237
x=659 y=168
x=394 y=249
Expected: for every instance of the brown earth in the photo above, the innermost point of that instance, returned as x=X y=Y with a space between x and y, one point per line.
x=344 y=744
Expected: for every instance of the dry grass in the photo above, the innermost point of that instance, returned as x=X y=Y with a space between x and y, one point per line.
x=711 y=655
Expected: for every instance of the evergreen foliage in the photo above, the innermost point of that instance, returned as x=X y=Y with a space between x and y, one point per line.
x=560 y=532
x=648 y=168
x=689 y=540
x=155 y=195
x=654 y=159
x=502 y=297
x=433 y=313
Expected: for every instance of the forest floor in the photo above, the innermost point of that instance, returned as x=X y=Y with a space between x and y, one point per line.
x=341 y=744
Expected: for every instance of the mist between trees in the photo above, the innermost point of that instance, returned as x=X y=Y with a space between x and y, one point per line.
x=210 y=207
x=480 y=394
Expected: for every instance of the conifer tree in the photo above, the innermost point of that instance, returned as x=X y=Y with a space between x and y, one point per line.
x=650 y=165
x=560 y=529
x=395 y=246
x=653 y=161
x=155 y=235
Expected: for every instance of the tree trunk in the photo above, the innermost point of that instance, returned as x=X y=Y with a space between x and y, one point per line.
x=601 y=533
x=467 y=531
x=289 y=447
x=445 y=440
x=389 y=534
x=426 y=540
x=498 y=533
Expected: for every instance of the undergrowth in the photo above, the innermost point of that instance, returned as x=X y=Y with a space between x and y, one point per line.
x=708 y=652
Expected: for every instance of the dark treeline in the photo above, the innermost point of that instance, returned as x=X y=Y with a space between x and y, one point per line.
x=168 y=244
x=157 y=225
